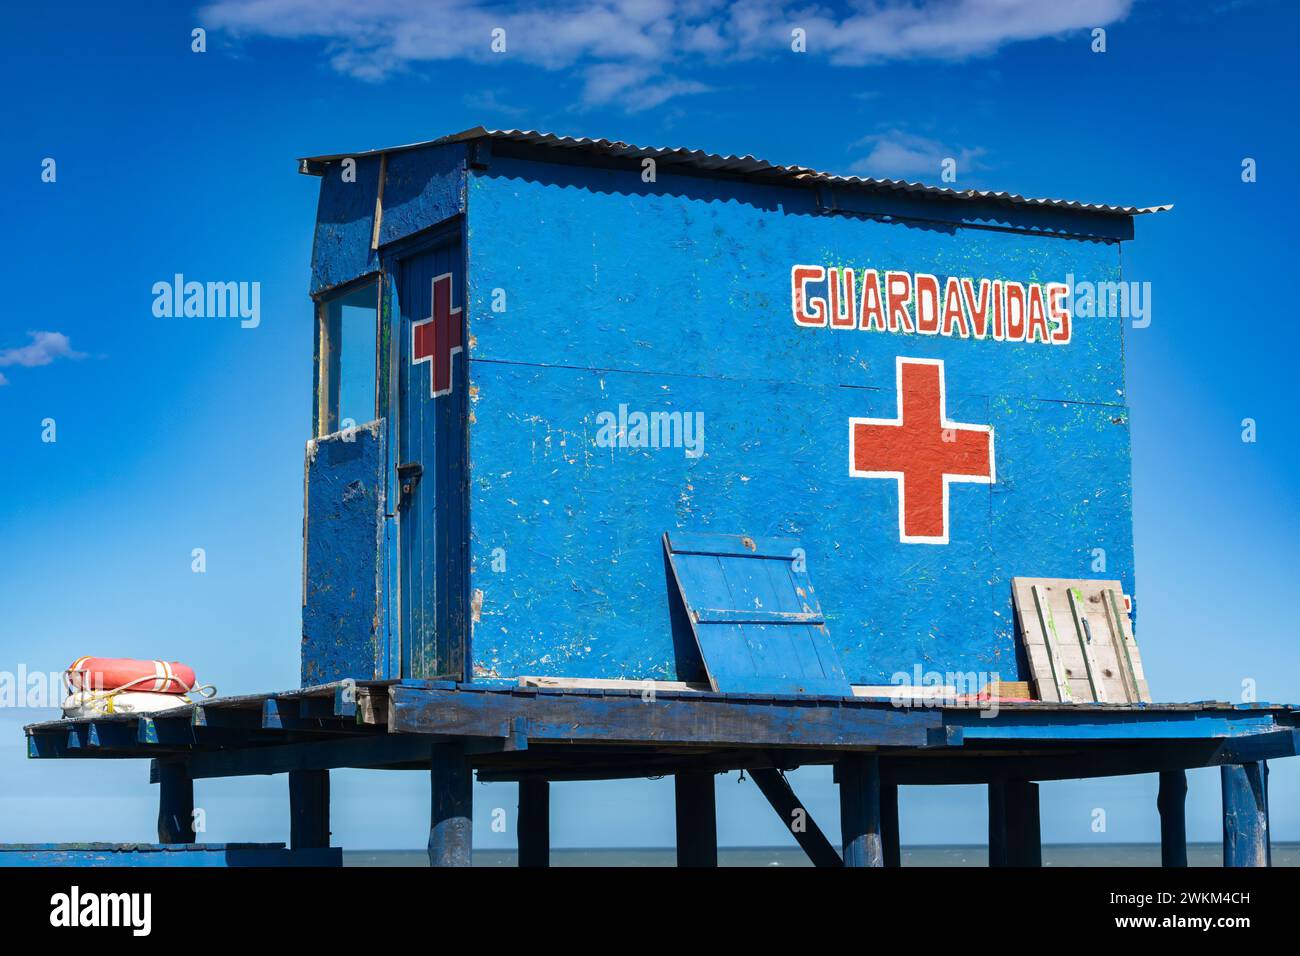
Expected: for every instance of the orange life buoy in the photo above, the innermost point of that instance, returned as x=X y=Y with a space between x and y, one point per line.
x=112 y=673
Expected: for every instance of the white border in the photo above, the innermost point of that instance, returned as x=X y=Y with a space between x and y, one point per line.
x=945 y=424
x=452 y=312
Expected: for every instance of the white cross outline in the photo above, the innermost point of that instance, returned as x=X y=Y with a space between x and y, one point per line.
x=898 y=476
x=451 y=366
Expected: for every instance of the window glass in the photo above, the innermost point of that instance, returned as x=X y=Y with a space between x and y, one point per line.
x=351 y=325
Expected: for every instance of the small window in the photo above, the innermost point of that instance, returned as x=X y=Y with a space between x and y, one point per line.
x=349 y=327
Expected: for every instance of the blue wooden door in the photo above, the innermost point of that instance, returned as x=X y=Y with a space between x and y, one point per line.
x=431 y=463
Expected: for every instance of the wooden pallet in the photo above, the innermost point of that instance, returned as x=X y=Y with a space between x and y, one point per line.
x=1079 y=641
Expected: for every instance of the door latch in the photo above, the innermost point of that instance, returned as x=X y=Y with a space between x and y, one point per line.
x=408 y=476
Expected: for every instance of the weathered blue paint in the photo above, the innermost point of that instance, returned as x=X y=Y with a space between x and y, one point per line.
x=1015 y=724
x=421 y=188
x=451 y=826
x=1245 y=814
x=860 y=825
x=345 y=218
x=675 y=296
x=530 y=547
x=431 y=517
x=154 y=854
x=755 y=615
x=342 y=620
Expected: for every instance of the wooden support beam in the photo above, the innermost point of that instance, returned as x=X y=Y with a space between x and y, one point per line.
x=175 y=802
x=795 y=816
x=1172 y=804
x=451 y=824
x=859 y=777
x=893 y=851
x=697 y=820
x=534 y=823
x=309 y=809
x=1014 y=838
x=690 y=718
x=360 y=751
x=1245 y=814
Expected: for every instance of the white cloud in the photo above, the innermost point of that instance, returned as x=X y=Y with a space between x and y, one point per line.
x=3 y=380
x=639 y=51
x=897 y=153
x=43 y=349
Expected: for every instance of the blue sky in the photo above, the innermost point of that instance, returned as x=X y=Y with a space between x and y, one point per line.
x=175 y=433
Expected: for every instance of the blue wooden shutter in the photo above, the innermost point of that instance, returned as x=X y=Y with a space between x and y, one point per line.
x=342 y=617
x=755 y=617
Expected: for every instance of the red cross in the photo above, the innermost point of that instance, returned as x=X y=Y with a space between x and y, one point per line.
x=922 y=451
x=436 y=339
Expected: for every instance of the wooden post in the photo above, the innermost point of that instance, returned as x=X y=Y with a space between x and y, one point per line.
x=175 y=802
x=1013 y=824
x=860 y=829
x=309 y=809
x=1172 y=804
x=451 y=827
x=697 y=820
x=893 y=851
x=1245 y=814
x=534 y=823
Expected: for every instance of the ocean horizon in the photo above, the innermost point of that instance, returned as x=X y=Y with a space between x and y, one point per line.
x=1285 y=854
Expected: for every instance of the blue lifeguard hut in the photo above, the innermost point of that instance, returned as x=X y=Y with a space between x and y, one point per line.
x=632 y=461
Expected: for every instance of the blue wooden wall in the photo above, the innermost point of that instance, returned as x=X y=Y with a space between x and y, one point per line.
x=584 y=288
x=675 y=295
x=343 y=619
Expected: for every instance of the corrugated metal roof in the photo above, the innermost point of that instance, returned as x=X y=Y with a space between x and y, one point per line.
x=740 y=165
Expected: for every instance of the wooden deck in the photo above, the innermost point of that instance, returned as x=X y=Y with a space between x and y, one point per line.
x=534 y=735
x=512 y=732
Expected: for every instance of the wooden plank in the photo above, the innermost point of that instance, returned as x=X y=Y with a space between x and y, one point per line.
x=910 y=692
x=1083 y=634
x=379 y=750
x=731 y=545
x=599 y=683
x=164 y=855
x=756 y=621
x=688 y=719
x=1059 y=689
x=1095 y=656
x=1088 y=759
